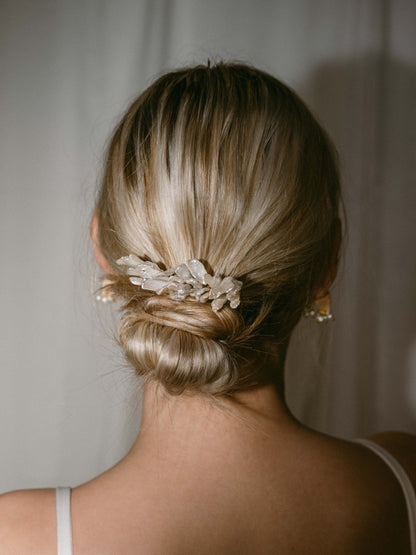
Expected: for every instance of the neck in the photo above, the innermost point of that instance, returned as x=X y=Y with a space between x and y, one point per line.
x=184 y=423
x=183 y=437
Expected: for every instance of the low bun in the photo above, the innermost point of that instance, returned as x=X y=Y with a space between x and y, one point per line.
x=184 y=345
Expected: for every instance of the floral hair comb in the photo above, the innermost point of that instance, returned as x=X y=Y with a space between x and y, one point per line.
x=187 y=280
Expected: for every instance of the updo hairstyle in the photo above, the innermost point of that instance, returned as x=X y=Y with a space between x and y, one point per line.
x=225 y=164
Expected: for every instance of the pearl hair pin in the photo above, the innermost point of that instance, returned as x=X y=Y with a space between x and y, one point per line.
x=187 y=280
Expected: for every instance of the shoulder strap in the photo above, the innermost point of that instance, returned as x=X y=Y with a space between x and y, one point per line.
x=63 y=521
x=406 y=484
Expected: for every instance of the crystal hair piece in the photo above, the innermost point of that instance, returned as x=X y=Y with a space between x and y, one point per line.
x=187 y=280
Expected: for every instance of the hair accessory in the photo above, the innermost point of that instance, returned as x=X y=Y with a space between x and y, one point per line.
x=187 y=280
x=320 y=311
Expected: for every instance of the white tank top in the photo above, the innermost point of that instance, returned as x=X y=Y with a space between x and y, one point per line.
x=63 y=501
x=63 y=521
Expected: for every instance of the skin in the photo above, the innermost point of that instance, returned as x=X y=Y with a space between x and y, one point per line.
x=244 y=478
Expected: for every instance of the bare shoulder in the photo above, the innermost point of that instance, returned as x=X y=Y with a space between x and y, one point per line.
x=27 y=522
x=362 y=495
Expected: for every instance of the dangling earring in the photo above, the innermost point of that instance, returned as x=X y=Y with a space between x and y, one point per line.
x=320 y=310
x=105 y=295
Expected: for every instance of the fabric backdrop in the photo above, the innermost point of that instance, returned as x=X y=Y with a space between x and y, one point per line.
x=68 y=403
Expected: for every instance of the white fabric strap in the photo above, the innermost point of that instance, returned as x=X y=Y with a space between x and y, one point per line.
x=406 y=484
x=63 y=521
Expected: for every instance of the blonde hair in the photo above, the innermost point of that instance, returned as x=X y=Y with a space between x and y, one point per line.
x=227 y=165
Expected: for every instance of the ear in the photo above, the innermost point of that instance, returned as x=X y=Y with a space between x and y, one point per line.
x=99 y=257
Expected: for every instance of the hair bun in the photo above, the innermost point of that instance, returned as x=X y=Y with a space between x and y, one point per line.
x=184 y=344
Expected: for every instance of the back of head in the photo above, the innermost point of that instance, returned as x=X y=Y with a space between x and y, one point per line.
x=224 y=164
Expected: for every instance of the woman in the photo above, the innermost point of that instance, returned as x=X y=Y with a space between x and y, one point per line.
x=217 y=228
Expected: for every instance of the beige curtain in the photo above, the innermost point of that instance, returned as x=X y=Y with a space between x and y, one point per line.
x=68 y=403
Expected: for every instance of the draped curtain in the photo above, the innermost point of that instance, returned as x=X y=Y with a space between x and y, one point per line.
x=69 y=405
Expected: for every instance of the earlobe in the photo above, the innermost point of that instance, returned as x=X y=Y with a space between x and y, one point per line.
x=99 y=257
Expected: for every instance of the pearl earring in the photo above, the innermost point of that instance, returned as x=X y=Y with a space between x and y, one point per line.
x=105 y=295
x=320 y=310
